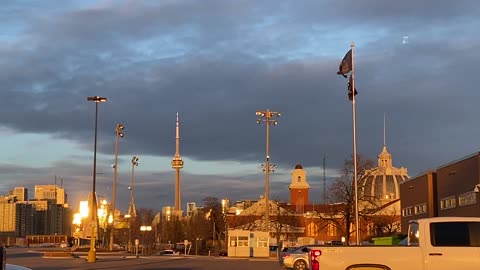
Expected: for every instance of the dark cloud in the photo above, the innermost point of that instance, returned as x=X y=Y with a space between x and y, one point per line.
x=217 y=62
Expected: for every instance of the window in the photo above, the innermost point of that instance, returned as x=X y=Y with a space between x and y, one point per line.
x=243 y=241
x=420 y=209
x=262 y=242
x=413 y=234
x=467 y=198
x=299 y=179
x=448 y=202
x=408 y=211
x=312 y=229
x=331 y=229
x=455 y=234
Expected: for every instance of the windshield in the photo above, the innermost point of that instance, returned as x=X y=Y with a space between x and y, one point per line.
x=413 y=234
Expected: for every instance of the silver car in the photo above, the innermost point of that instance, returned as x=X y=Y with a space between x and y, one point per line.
x=296 y=259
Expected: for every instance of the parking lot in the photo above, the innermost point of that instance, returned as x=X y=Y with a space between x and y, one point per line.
x=36 y=260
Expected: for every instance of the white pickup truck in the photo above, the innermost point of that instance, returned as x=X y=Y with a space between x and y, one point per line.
x=440 y=243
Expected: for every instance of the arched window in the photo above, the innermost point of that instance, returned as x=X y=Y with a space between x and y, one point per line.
x=312 y=229
x=331 y=229
x=299 y=179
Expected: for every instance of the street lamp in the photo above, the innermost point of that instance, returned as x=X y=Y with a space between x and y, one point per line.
x=144 y=229
x=92 y=252
x=210 y=215
x=267 y=119
x=132 y=211
x=119 y=134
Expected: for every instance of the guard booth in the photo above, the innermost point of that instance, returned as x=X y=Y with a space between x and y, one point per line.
x=243 y=243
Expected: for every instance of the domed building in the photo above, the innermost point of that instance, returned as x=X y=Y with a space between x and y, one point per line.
x=383 y=182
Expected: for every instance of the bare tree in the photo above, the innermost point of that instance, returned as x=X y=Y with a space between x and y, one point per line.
x=341 y=211
x=283 y=221
x=249 y=222
x=213 y=206
x=172 y=230
x=386 y=221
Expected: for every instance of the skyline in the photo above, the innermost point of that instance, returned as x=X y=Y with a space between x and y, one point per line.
x=216 y=63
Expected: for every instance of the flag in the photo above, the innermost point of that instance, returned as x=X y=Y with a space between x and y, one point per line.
x=350 y=85
x=346 y=65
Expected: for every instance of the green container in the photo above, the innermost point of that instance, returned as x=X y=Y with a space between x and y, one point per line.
x=385 y=241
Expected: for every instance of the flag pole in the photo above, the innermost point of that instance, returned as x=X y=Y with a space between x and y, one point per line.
x=357 y=227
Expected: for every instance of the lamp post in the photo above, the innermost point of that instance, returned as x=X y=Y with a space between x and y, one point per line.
x=132 y=210
x=128 y=216
x=267 y=119
x=210 y=215
x=144 y=229
x=119 y=134
x=92 y=252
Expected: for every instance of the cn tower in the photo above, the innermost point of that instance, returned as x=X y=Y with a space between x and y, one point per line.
x=177 y=164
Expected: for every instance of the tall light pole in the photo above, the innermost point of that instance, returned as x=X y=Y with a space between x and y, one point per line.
x=131 y=210
x=92 y=255
x=119 y=134
x=267 y=119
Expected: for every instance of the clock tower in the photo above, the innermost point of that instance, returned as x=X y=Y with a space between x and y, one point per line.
x=299 y=188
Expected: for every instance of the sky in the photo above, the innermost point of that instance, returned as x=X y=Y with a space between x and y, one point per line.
x=216 y=62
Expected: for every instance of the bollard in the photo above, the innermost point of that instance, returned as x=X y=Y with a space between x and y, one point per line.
x=3 y=258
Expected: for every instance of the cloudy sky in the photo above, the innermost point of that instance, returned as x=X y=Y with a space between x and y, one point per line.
x=216 y=63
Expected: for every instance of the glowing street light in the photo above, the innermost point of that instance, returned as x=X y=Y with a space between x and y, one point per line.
x=131 y=210
x=92 y=254
x=266 y=117
x=119 y=134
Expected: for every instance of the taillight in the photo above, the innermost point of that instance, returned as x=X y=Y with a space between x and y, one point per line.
x=315 y=263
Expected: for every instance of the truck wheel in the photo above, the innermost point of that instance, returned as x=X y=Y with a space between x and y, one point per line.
x=300 y=265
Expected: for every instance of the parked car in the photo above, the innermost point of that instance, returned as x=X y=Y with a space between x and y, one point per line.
x=15 y=267
x=167 y=252
x=294 y=258
x=285 y=251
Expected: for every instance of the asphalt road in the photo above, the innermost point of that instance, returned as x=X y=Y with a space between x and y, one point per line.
x=36 y=260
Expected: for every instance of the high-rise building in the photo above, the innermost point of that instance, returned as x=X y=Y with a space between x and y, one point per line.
x=225 y=206
x=21 y=193
x=7 y=214
x=43 y=192
x=191 y=209
x=23 y=219
x=40 y=218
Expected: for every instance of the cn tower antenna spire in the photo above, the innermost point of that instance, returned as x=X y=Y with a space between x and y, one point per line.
x=177 y=164
x=177 y=138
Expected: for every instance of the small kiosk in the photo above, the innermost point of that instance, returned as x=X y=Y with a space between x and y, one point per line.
x=243 y=243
